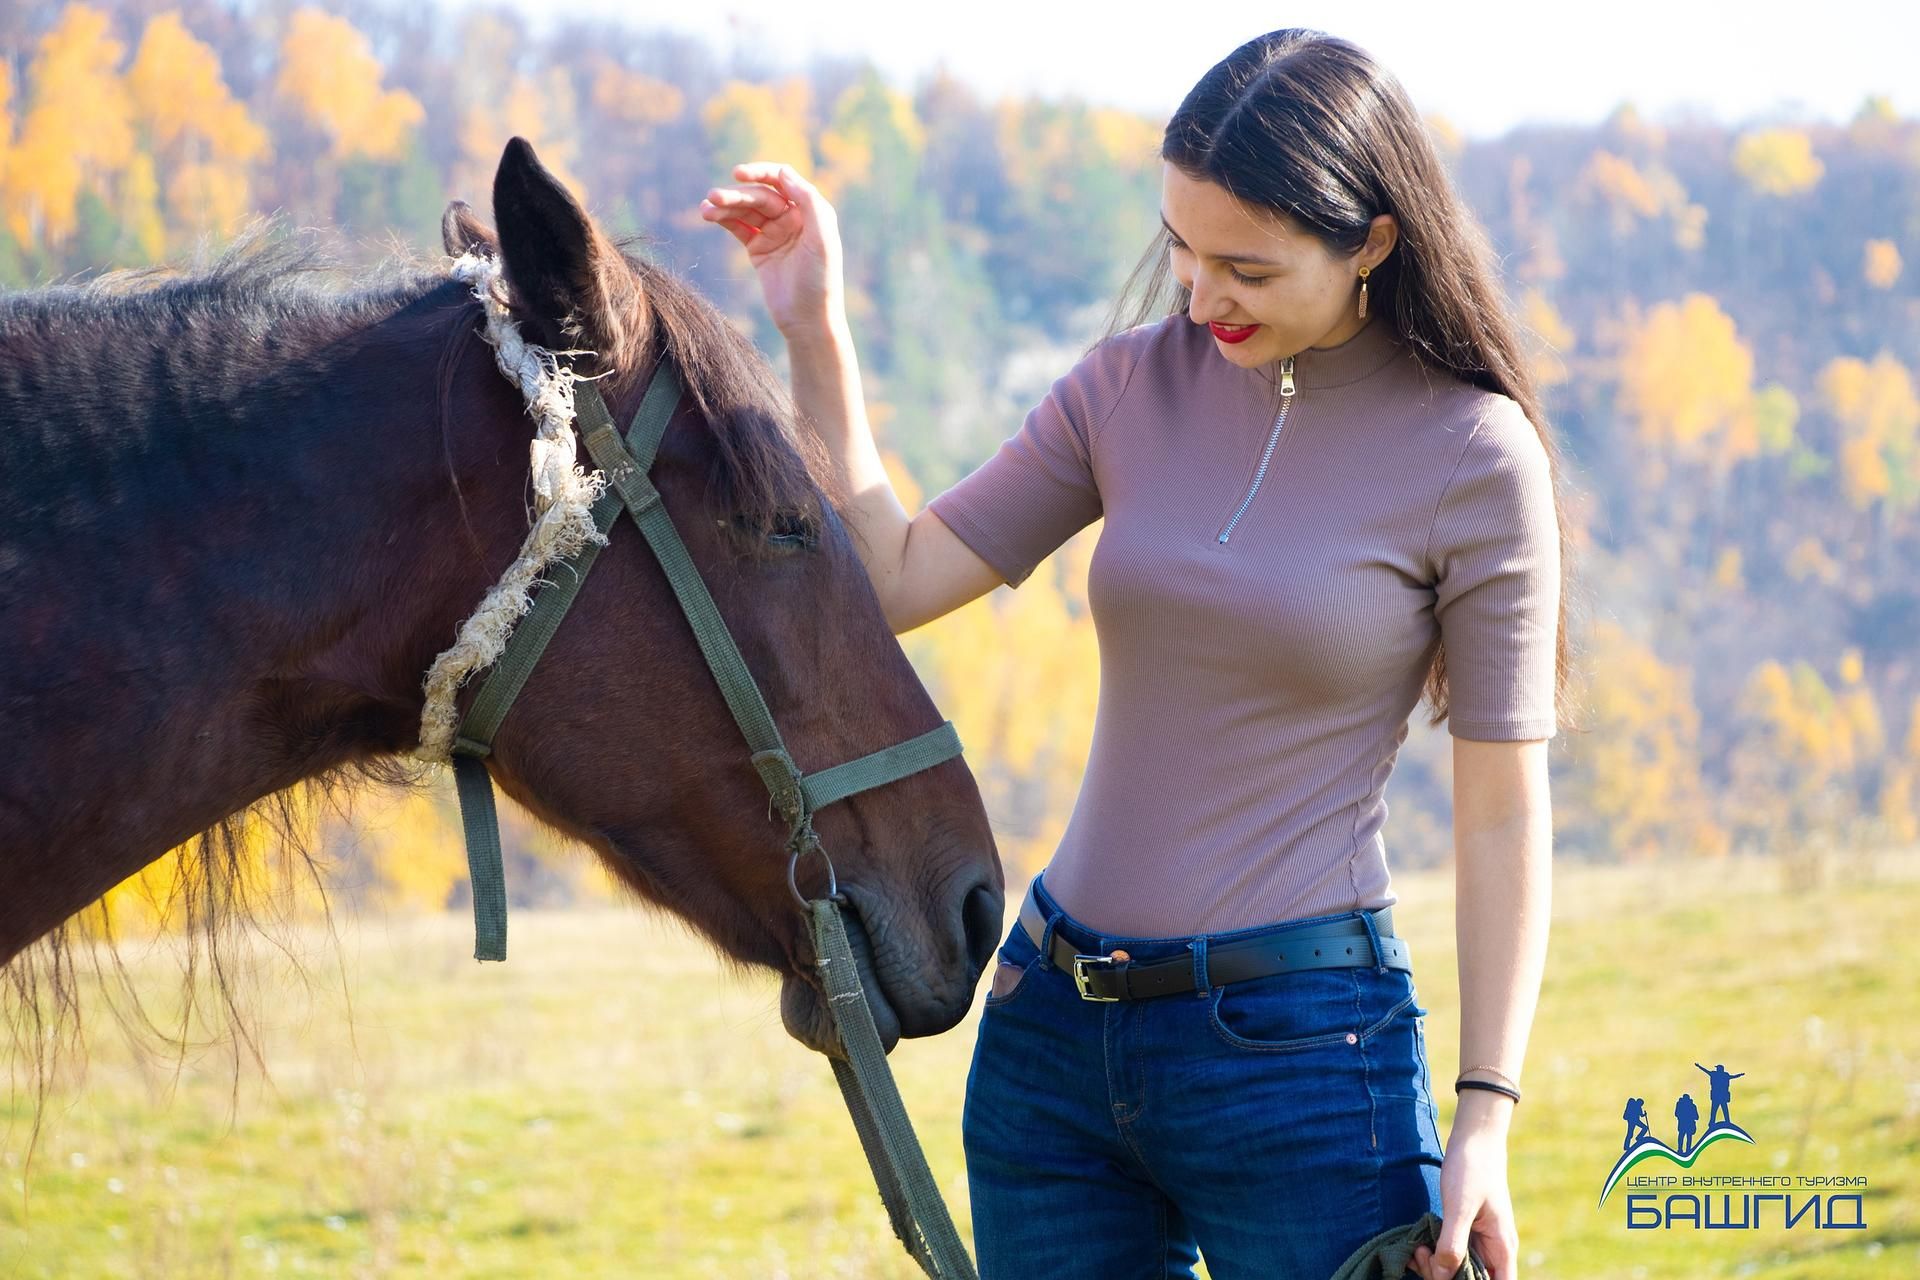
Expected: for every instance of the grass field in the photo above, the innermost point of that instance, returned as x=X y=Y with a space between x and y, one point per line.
x=611 y=1103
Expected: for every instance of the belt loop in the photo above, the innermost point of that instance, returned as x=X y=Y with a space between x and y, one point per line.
x=1046 y=941
x=1199 y=948
x=1373 y=936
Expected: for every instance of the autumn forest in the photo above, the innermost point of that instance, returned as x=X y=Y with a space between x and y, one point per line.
x=1726 y=319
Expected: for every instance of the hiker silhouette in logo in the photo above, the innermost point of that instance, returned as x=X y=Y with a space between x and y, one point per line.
x=1636 y=1117
x=1720 y=1092
x=1686 y=1113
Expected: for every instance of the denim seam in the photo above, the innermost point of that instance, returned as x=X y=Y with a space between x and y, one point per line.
x=1431 y=1109
x=1366 y=1075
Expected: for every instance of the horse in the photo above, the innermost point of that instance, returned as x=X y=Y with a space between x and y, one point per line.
x=243 y=508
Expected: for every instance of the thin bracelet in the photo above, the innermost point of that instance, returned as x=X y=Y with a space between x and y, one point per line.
x=1494 y=1071
x=1458 y=1085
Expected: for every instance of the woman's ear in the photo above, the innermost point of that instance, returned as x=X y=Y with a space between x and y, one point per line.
x=569 y=286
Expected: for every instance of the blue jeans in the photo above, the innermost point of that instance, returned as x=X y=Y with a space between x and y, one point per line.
x=1273 y=1125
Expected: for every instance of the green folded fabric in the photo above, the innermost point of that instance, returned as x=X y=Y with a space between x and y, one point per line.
x=1389 y=1255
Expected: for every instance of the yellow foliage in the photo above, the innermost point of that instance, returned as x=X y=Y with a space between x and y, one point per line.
x=1687 y=377
x=1852 y=666
x=328 y=70
x=78 y=130
x=847 y=145
x=1812 y=733
x=6 y=119
x=757 y=122
x=183 y=99
x=1900 y=804
x=140 y=210
x=1019 y=674
x=1448 y=141
x=1629 y=126
x=1879 y=416
x=1809 y=559
x=1881 y=264
x=1643 y=769
x=1778 y=162
x=259 y=874
x=1633 y=194
x=1622 y=185
x=1551 y=338
x=1727 y=571
x=1131 y=142
x=542 y=112
x=630 y=98
x=413 y=848
x=1690 y=227
x=208 y=197
x=1776 y=412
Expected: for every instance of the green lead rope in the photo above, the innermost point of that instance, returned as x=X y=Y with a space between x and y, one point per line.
x=914 y=1205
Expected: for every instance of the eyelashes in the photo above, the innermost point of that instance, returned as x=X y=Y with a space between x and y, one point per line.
x=1232 y=271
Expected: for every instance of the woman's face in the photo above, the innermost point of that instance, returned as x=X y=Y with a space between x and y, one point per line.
x=1247 y=267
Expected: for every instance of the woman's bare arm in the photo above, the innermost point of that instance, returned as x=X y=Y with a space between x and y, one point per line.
x=918 y=567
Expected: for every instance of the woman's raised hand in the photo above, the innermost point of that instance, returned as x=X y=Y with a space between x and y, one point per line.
x=792 y=239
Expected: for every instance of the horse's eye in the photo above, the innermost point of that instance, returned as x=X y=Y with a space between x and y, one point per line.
x=790 y=530
x=787 y=529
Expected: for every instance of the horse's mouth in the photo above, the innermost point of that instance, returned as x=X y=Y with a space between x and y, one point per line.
x=803 y=1007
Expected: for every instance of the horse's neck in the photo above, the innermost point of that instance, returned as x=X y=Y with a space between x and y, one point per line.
x=241 y=591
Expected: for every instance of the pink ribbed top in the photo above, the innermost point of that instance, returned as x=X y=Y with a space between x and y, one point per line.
x=1255 y=691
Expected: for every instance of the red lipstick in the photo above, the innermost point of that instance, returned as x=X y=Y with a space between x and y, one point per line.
x=1232 y=333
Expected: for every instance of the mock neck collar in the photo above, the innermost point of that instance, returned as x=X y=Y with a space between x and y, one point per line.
x=1366 y=352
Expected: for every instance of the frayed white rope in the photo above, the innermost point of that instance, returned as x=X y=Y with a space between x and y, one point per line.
x=563 y=497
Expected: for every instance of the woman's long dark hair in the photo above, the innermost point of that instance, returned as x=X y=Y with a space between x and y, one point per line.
x=1309 y=127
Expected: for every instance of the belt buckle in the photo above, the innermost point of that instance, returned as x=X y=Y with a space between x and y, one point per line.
x=1080 y=964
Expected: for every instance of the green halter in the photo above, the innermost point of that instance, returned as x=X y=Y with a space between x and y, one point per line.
x=918 y=1215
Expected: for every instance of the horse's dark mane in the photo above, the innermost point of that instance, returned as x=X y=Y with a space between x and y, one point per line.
x=302 y=291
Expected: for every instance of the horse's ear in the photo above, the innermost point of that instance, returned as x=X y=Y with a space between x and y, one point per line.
x=461 y=230
x=570 y=287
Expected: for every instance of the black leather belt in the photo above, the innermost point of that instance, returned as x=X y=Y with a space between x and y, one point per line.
x=1117 y=976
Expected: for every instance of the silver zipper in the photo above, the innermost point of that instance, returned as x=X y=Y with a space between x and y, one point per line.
x=1286 y=401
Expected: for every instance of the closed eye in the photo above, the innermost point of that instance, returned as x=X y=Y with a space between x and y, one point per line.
x=788 y=530
x=1232 y=271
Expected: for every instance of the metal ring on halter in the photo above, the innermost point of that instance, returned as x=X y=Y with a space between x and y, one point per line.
x=833 y=885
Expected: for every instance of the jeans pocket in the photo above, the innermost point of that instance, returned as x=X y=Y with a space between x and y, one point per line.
x=1307 y=1008
x=1017 y=959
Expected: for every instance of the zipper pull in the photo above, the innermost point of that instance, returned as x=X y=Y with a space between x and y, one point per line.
x=1286 y=376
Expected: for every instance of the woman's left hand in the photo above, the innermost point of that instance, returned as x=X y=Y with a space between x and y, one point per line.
x=1474 y=1200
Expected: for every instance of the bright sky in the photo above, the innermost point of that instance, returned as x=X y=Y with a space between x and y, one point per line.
x=1486 y=65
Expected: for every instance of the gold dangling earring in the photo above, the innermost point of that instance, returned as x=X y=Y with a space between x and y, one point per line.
x=1363 y=291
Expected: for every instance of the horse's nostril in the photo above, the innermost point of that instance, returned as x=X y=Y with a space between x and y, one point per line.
x=982 y=914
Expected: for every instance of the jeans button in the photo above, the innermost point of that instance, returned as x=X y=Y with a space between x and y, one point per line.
x=1352 y=1038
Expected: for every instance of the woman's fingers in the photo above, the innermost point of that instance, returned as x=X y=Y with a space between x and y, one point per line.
x=738 y=230
x=755 y=198
x=715 y=211
x=788 y=182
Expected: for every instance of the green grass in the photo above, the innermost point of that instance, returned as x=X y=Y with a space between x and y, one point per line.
x=612 y=1103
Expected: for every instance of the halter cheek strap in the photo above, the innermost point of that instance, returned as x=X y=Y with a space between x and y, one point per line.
x=914 y=1207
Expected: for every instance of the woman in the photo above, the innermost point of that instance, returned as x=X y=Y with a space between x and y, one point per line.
x=1327 y=488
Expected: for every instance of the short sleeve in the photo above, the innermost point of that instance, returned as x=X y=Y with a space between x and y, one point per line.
x=1495 y=553
x=1038 y=489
